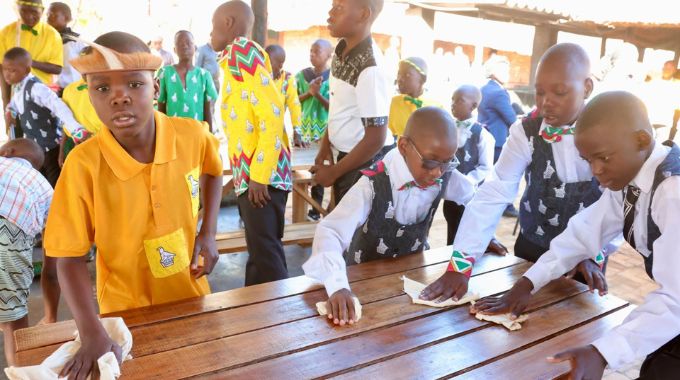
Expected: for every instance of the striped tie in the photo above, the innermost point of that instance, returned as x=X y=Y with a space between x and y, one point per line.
x=632 y=194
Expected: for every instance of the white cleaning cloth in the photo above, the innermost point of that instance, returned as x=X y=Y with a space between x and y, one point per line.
x=108 y=365
x=321 y=308
x=503 y=319
x=414 y=288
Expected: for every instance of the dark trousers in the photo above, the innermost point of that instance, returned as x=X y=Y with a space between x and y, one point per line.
x=346 y=181
x=51 y=169
x=529 y=251
x=453 y=213
x=264 y=230
x=663 y=363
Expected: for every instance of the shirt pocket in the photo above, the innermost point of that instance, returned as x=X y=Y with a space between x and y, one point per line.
x=192 y=180
x=168 y=254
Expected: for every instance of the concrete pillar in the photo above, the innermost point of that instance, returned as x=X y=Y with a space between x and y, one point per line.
x=545 y=36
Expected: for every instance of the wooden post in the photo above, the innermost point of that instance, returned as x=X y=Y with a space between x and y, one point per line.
x=545 y=36
x=260 y=27
x=603 y=46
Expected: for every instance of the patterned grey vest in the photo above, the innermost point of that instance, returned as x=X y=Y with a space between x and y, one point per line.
x=381 y=236
x=38 y=123
x=468 y=155
x=670 y=166
x=548 y=203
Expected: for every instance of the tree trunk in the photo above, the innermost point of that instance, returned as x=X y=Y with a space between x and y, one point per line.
x=260 y=27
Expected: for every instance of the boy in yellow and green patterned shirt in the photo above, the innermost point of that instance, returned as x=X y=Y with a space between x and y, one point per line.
x=252 y=110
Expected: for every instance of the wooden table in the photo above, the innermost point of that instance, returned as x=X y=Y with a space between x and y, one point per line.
x=273 y=330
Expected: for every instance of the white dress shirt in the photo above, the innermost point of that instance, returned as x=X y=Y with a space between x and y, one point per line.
x=68 y=73
x=334 y=233
x=657 y=320
x=44 y=97
x=483 y=213
x=486 y=147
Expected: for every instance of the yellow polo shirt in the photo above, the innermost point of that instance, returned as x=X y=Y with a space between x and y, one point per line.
x=142 y=217
x=46 y=46
x=78 y=100
x=401 y=109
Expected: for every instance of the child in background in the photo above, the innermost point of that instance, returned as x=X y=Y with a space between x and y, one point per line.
x=389 y=211
x=59 y=16
x=313 y=89
x=286 y=85
x=38 y=38
x=475 y=153
x=641 y=198
x=411 y=79
x=39 y=111
x=357 y=132
x=138 y=178
x=186 y=90
x=25 y=198
x=252 y=111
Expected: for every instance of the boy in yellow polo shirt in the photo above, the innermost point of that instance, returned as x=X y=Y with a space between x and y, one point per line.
x=42 y=41
x=411 y=80
x=133 y=190
x=77 y=98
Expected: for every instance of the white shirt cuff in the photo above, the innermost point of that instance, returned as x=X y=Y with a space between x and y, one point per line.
x=615 y=350
x=538 y=276
x=336 y=281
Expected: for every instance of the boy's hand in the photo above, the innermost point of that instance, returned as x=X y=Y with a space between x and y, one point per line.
x=84 y=361
x=324 y=175
x=497 y=248
x=258 y=194
x=586 y=362
x=450 y=285
x=341 y=307
x=592 y=274
x=324 y=153
x=298 y=141
x=315 y=87
x=205 y=246
x=513 y=302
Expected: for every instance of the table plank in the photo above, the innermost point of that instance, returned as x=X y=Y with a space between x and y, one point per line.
x=530 y=363
x=486 y=344
x=239 y=320
x=378 y=344
x=284 y=339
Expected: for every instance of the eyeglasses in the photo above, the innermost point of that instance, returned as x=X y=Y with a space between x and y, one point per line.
x=434 y=164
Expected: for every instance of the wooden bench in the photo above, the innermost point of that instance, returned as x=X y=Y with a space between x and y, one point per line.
x=296 y=233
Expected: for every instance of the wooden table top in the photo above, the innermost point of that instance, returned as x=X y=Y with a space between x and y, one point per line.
x=273 y=330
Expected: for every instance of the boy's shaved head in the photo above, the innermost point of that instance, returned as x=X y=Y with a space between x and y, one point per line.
x=568 y=57
x=470 y=91
x=431 y=123
x=19 y=55
x=376 y=6
x=620 y=111
x=123 y=42
x=324 y=44
x=275 y=49
x=230 y=20
x=614 y=136
x=26 y=149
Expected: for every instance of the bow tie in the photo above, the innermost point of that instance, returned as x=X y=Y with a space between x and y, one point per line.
x=29 y=29
x=417 y=102
x=412 y=184
x=554 y=134
x=462 y=124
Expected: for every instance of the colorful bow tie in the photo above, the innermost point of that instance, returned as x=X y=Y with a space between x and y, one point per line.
x=554 y=134
x=412 y=184
x=417 y=102
x=29 y=29
x=82 y=87
x=462 y=124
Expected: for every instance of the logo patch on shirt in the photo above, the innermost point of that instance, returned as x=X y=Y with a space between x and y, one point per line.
x=167 y=258
x=194 y=189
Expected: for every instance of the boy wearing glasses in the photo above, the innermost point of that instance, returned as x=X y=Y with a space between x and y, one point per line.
x=389 y=211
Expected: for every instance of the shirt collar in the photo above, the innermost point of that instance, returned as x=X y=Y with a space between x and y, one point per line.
x=645 y=177
x=396 y=167
x=20 y=86
x=467 y=122
x=368 y=41
x=126 y=167
x=19 y=160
